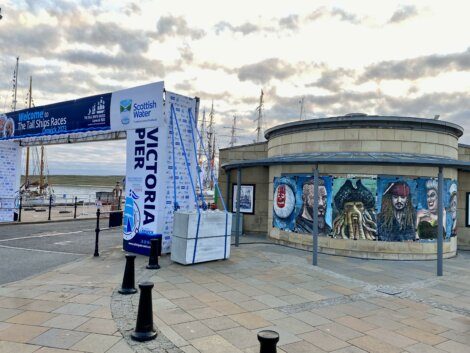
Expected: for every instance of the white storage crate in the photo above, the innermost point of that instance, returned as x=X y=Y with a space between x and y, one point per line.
x=211 y=237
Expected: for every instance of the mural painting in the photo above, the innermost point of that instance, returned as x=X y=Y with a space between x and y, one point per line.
x=386 y=208
x=451 y=230
x=396 y=220
x=426 y=216
x=354 y=209
x=293 y=204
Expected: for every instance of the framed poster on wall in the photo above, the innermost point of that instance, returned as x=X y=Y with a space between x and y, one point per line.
x=247 y=198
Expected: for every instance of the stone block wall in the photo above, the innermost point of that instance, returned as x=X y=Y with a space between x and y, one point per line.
x=365 y=140
x=256 y=223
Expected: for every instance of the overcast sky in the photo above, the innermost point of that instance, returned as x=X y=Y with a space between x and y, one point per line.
x=409 y=58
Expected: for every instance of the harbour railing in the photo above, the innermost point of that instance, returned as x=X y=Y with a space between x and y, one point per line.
x=55 y=207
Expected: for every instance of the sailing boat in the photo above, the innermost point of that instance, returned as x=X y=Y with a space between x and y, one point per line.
x=35 y=192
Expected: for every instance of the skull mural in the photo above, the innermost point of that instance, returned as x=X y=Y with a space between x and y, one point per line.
x=356 y=215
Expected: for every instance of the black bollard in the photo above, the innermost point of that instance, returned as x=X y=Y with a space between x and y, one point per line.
x=144 y=329
x=155 y=251
x=97 y=233
x=75 y=208
x=20 y=207
x=50 y=208
x=128 y=282
x=268 y=340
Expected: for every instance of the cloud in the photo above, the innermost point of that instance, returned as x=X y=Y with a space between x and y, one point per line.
x=186 y=54
x=118 y=61
x=109 y=34
x=345 y=16
x=423 y=66
x=132 y=9
x=404 y=13
x=170 y=26
x=266 y=70
x=245 y=28
x=45 y=39
x=289 y=22
x=453 y=106
x=332 y=80
x=341 y=14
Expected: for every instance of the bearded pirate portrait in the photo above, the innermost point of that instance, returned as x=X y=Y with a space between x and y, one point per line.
x=304 y=221
x=397 y=217
x=356 y=216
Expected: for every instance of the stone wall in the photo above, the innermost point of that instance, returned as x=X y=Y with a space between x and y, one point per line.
x=256 y=223
x=365 y=140
x=366 y=249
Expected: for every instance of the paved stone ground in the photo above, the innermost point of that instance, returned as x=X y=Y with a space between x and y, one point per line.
x=344 y=306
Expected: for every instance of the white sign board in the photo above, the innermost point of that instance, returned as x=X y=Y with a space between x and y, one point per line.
x=137 y=107
x=10 y=174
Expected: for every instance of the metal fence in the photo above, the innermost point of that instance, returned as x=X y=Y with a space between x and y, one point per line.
x=56 y=207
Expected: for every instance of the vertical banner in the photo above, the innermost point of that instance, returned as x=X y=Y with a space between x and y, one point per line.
x=10 y=174
x=145 y=186
x=181 y=160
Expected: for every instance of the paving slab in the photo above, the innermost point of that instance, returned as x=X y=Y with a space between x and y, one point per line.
x=341 y=306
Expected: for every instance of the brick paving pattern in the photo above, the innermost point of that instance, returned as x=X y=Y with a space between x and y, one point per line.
x=344 y=306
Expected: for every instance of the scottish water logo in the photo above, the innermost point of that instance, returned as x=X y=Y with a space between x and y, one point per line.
x=125 y=107
x=144 y=110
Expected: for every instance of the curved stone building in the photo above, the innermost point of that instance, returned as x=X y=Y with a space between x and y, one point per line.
x=378 y=185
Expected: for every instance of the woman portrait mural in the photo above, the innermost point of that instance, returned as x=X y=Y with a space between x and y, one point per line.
x=451 y=229
x=426 y=217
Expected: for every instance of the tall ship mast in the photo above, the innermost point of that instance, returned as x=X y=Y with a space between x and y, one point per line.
x=15 y=85
x=259 y=119
x=208 y=182
x=34 y=192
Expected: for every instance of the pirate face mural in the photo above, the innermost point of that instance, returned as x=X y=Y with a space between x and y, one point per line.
x=355 y=215
x=397 y=217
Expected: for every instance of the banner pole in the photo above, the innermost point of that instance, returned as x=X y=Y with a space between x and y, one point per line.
x=440 y=221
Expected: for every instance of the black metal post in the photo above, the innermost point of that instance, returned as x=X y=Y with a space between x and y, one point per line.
x=75 y=208
x=50 y=208
x=440 y=221
x=20 y=206
x=144 y=329
x=154 y=252
x=128 y=280
x=119 y=200
x=237 y=218
x=97 y=232
x=315 y=217
x=268 y=341
x=228 y=186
